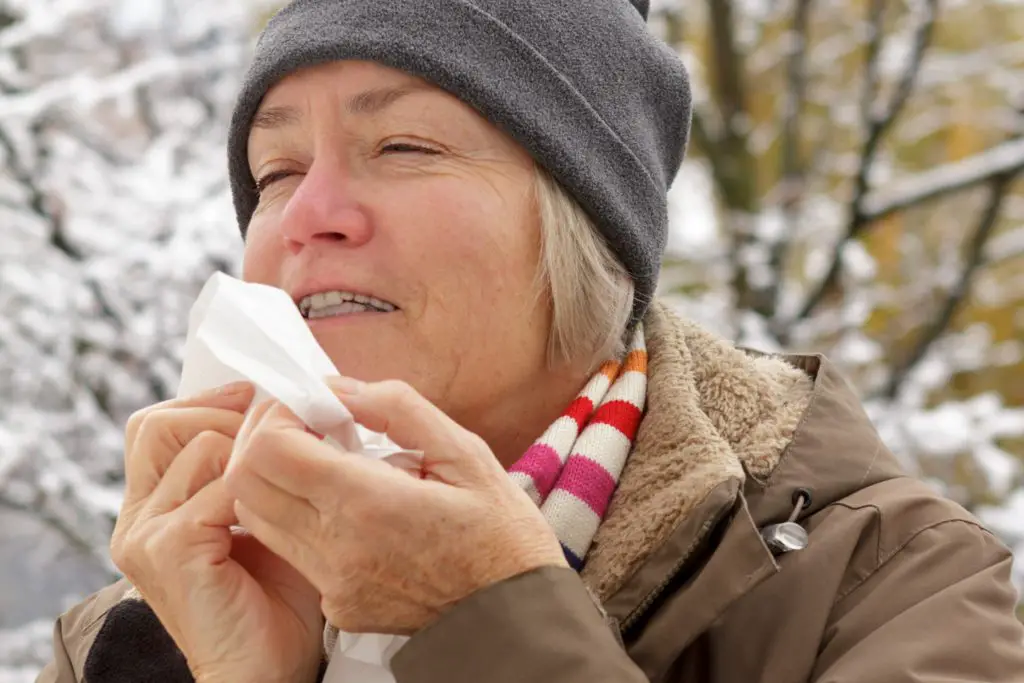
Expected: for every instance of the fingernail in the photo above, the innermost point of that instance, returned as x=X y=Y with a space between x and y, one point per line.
x=345 y=385
x=234 y=388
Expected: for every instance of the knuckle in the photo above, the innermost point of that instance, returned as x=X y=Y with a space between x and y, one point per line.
x=396 y=389
x=137 y=424
x=209 y=441
x=148 y=425
x=399 y=394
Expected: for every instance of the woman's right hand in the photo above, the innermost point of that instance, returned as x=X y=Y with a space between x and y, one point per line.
x=237 y=611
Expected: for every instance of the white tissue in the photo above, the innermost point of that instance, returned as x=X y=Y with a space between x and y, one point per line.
x=244 y=331
x=363 y=658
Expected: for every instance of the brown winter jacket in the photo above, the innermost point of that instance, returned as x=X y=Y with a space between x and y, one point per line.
x=896 y=583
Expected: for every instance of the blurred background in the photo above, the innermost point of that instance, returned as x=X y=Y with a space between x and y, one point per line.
x=852 y=188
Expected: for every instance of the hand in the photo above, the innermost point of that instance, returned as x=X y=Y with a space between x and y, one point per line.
x=388 y=551
x=237 y=611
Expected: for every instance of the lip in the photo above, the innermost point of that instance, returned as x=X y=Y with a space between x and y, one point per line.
x=347 y=319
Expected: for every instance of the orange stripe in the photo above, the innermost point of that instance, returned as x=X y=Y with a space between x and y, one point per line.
x=610 y=369
x=636 y=361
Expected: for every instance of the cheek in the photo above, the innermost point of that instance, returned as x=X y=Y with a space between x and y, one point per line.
x=474 y=238
x=263 y=254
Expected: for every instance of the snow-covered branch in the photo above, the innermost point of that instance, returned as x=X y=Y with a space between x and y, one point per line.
x=1004 y=158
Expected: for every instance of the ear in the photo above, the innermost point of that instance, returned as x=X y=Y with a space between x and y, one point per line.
x=643 y=7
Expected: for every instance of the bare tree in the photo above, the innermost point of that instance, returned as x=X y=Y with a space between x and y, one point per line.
x=819 y=125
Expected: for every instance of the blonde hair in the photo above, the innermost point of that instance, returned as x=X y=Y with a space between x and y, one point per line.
x=591 y=292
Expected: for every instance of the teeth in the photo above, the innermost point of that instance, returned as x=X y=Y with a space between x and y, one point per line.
x=325 y=304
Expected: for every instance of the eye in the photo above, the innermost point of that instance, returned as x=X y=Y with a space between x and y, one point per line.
x=405 y=147
x=269 y=179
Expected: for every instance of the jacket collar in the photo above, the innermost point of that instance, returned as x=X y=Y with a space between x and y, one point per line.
x=727 y=437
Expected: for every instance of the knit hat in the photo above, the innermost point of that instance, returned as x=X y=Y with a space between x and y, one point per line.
x=583 y=85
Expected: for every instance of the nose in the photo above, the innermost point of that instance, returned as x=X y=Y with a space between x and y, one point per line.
x=324 y=209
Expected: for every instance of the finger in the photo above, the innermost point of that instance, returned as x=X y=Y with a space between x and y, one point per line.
x=272 y=503
x=253 y=419
x=399 y=411
x=280 y=450
x=212 y=507
x=201 y=461
x=162 y=435
x=235 y=397
x=288 y=547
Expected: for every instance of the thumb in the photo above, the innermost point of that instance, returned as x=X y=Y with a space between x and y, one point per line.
x=450 y=452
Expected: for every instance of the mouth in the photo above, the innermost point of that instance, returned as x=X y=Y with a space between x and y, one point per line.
x=337 y=303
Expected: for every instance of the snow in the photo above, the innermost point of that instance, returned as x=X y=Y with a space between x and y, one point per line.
x=1004 y=157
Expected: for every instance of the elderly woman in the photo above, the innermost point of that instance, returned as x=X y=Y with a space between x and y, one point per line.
x=467 y=201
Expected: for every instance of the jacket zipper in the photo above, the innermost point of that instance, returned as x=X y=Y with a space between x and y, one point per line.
x=651 y=597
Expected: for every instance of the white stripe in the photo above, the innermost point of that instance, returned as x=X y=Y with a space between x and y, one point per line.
x=596 y=388
x=606 y=445
x=560 y=436
x=630 y=387
x=572 y=520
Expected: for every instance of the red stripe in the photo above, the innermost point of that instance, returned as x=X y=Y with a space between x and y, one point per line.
x=580 y=410
x=622 y=415
x=588 y=481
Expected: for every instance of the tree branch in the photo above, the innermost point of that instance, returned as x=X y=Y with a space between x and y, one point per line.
x=1004 y=158
x=792 y=172
x=876 y=128
x=734 y=166
x=958 y=293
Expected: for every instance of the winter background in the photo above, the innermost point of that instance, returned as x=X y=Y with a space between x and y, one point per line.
x=852 y=188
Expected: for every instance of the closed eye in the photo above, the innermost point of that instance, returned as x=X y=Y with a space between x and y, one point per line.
x=269 y=179
x=400 y=147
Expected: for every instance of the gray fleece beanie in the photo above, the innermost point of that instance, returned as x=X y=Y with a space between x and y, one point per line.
x=583 y=85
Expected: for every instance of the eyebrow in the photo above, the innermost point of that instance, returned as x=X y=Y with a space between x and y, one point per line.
x=366 y=103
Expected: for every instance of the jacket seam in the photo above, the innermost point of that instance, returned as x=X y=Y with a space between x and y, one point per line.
x=871 y=464
x=62 y=656
x=883 y=561
x=769 y=480
x=878 y=541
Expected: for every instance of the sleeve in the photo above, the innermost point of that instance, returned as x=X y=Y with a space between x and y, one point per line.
x=539 y=626
x=940 y=608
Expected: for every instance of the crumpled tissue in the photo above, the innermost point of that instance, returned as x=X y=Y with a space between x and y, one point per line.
x=246 y=331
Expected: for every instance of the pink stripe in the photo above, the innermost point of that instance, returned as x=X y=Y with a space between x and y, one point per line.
x=542 y=464
x=588 y=481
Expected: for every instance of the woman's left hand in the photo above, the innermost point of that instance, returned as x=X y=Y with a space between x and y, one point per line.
x=389 y=552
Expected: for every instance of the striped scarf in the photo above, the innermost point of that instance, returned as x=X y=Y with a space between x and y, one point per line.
x=572 y=470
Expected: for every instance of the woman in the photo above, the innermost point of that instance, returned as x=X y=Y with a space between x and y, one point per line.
x=466 y=198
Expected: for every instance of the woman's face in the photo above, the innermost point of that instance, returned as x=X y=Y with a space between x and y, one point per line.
x=375 y=184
